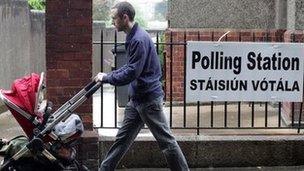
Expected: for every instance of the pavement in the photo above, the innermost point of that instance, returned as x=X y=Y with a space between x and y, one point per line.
x=191 y=118
x=10 y=128
x=281 y=168
x=2 y=107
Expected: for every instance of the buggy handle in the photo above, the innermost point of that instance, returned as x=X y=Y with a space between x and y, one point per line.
x=93 y=89
x=66 y=110
x=83 y=92
x=90 y=85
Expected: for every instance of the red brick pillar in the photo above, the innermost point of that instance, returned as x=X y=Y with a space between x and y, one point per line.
x=69 y=63
x=293 y=36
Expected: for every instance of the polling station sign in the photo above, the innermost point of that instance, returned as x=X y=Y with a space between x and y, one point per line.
x=244 y=71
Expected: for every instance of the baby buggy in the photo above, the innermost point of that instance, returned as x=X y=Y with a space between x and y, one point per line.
x=50 y=138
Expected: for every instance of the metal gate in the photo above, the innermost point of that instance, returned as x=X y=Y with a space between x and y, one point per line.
x=193 y=118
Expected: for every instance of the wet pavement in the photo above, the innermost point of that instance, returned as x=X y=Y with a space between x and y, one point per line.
x=10 y=128
x=217 y=120
x=281 y=168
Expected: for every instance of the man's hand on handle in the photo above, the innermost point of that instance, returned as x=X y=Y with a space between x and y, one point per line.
x=99 y=77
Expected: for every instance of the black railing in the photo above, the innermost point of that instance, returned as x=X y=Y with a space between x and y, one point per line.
x=204 y=109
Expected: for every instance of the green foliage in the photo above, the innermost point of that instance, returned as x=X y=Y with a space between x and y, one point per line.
x=101 y=10
x=161 y=48
x=161 y=10
x=37 y=4
x=141 y=21
x=139 y=17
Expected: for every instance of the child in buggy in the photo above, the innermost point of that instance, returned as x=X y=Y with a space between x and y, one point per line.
x=50 y=138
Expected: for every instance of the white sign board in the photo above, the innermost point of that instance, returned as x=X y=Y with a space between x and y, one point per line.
x=244 y=71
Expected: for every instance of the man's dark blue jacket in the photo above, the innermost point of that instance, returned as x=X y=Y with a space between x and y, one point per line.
x=142 y=70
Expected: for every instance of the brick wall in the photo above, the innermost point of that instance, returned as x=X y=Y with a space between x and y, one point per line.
x=178 y=51
x=69 y=51
x=69 y=63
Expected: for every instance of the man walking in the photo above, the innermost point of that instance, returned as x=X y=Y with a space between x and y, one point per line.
x=143 y=73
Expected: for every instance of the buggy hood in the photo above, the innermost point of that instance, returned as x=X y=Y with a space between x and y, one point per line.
x=23 y=94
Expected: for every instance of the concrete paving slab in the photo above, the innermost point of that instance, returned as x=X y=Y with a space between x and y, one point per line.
x=279 y=168
x=9 y=126
x=2 y=107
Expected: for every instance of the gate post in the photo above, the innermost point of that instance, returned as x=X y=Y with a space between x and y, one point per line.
x=69 y=64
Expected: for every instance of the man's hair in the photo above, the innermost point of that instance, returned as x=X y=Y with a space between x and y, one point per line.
x=125 y=8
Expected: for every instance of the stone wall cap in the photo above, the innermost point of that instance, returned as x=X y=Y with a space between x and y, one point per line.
x=221 y=138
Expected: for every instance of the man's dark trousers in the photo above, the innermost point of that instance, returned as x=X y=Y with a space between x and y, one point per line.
x=136 y=115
